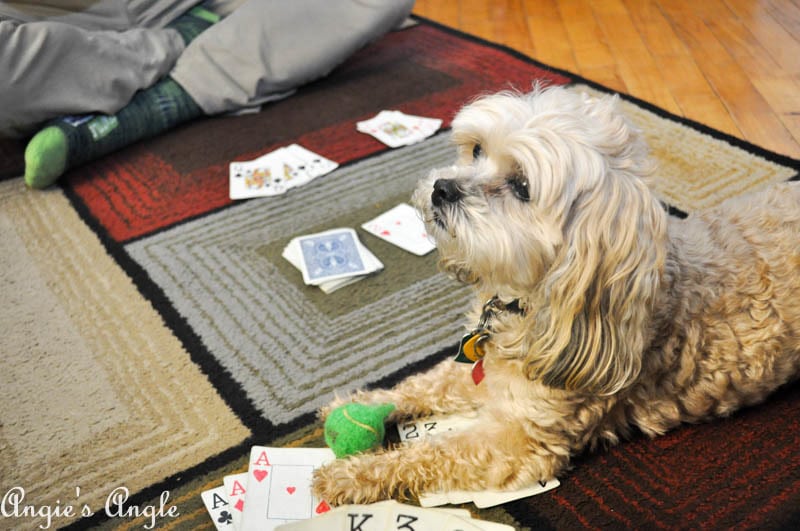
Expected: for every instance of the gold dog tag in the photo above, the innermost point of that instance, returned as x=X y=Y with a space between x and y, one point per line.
x=470 y=349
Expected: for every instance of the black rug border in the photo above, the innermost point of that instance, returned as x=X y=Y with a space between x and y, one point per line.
x=262 y=430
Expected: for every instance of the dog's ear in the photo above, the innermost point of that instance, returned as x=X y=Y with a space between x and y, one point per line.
x=598 y=294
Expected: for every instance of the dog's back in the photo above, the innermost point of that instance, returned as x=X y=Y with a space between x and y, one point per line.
x=730 y=309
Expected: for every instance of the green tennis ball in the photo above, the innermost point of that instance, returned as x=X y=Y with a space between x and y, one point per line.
x=354 y=428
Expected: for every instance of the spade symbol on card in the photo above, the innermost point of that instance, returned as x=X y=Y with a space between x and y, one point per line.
x=260 y=475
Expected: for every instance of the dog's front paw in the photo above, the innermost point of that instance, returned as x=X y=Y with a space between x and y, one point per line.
x=367 y=398
x=348 y=481
x=324 y=411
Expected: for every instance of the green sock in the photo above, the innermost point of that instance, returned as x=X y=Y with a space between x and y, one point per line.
x=193 y=23
x=68 y=142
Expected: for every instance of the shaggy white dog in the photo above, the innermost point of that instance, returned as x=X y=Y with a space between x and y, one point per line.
x=605 y=314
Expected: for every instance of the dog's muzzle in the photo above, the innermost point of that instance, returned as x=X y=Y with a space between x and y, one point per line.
x=445 y=191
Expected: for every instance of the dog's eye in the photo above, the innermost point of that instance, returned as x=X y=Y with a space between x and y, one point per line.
x=519 y=187
x=477 y=151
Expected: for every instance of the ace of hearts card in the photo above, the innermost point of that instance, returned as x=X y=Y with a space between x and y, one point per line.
x=279 y=486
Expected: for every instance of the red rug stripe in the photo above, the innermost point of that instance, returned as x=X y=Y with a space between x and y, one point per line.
x=137 y=190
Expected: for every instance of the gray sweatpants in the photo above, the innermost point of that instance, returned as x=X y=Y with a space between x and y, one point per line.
x=57 y=61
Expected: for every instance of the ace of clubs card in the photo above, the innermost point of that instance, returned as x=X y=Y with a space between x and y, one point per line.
x=218 y=508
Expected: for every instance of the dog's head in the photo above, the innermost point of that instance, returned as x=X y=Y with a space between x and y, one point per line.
x=547 y=204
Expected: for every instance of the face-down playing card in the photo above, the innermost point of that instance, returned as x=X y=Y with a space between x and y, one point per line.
x=331 y=255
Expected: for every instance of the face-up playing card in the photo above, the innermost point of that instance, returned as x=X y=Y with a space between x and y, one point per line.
x=488 y=498
x=288 y=499
x=455 y=497
x=279 y=486
x=218 y=508
x=289 y=168
x=235 y=491
x=330 y=255
x=313 y=164
x=258 y=178
x=402 y=227
x=276 y=172
x=391 y=515
x=418 y=429
x=396 y=129
x=491 y=498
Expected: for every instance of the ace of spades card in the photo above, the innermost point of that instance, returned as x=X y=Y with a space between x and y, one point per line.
x=279 y=486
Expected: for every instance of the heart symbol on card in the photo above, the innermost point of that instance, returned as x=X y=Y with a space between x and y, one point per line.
x=260 y=475
x=290 y=490
x=239 y=505
x=323 y=507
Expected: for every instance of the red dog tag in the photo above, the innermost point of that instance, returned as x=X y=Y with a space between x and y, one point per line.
x=477 y=372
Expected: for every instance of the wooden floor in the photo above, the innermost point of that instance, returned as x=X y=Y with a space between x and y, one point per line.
x=731 y=64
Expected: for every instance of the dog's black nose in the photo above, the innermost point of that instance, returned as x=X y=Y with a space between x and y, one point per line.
x=445 y=191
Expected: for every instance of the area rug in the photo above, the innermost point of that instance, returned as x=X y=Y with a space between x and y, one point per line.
x=152 y=332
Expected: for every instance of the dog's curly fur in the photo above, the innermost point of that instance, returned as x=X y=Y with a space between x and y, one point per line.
x=632 y=319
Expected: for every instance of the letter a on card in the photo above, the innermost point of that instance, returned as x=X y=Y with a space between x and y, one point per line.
x=262 y=459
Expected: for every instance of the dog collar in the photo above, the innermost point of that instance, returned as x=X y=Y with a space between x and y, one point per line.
x=471 y=347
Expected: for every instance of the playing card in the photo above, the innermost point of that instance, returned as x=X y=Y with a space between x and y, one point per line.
x=291 y=170
x=330 y=255
x=487 y=498
x=419 y=518
x=279 y=486
x=454 y=497
x=490 y=498
x=418 y=429
x=403 y=227
x=471 y=524
x=235 y=491
x=218 y=508
x=369 y=517
x=313 y=164
x=293 y=254
x=276 y=172
x=327 y=522
x=334 y=254
x=396 y=129
x=258 y=178
x=390 y=515
x=288 y=500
